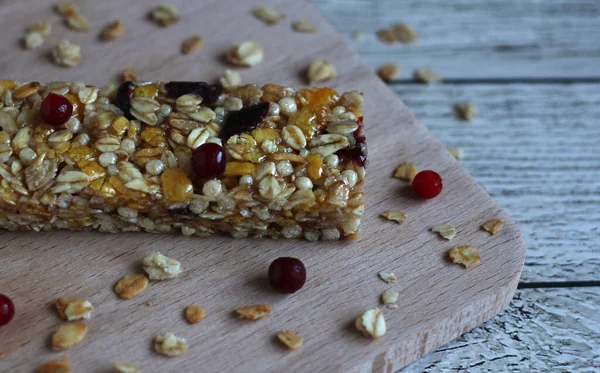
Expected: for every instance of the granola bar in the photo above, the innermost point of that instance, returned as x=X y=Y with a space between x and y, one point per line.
x=125 y=159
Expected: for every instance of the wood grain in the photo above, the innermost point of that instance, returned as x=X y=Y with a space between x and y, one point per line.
x=534 y=148
x=439 y=301
x=478 y=39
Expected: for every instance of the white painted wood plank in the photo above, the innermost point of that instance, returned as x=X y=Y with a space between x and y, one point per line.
x=543 y=330
x=478 y=39
x=535 y=149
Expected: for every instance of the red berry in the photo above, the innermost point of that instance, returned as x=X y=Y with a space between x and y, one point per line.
x=427 y=184
x=56 y=109
x=7 y=309
x=208 y=160
x=287 y=275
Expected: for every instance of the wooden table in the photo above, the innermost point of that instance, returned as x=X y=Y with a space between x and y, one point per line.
x=532 y=69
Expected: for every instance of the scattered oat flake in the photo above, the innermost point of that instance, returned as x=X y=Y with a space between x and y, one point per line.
x=397 y=216
x=125 y=367
x=493 y=226
x=304 y=27
x=466 y=255
x=255 y=312
x=33 y=40
x=389 y=298
x=426 y=75
x=43 y=28
x=149 y=304
x=457 y=153
x=66 y=53
x=388 y=277
x=445 y=231
x=131 y=285
x=68 y=335
x=230 y=79
x=129 y=75
x=321 y=70
x=66 y=9
x=78 y=22
x=164 y=15
x=358 y=35
x=191 y=45
x=268 y=15
x=194 y=314
x=170 y=345
x=113 y=30
x=399 y=33
x=371 y=323
x=289 y=339
x=70 y=309
x=406 y=171
x=466 y=111
x=56 y=366
x=160 y=267
x=389 y=72
x=249 y=53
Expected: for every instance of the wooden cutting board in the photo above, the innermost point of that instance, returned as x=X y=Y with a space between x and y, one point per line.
x=438 y=300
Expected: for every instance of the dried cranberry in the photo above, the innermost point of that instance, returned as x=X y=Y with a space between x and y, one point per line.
x=287 y=275
x=208 y=160
x=245 y=120
x=123 y=98
x=7 y=309
x=56 y=109
x=208 y=92
x=356 y=155
x=427 y=184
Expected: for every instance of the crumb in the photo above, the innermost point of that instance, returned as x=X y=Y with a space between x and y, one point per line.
x=388 y=277
x=399 y=33
x=124 y=367
x=131 y=285
x=56 y=366
x=247 y=54
x=68 y=335
x=70 y=309
x=192 y=44
x=493 y=226
x=194 y=314
x=321 y=70
x=78 y=22
x=466 y=111
x=426 y=75
x=164 y=15
x=160 y=267
x=113 y=30
x=129 y=75
x=254 y=312
x=230 y=79
x=268 y=15
x=445 y=231
x=389 y=298
x=467 y=255
x=457 y=153
x=170 y=345
x=371 y=323
x=289 y=339
x=304 y=27
x=406 y=171
x=397 y=216
x=389 y=72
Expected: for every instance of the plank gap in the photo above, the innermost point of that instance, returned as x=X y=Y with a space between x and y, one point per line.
x=558 y=284
x=502 y=81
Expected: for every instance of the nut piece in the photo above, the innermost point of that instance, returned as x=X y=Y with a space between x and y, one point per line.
x=457 y=153
x=389 y=72
x=170 y=345
x=68 y=335
x=66 y=54
x=160 y=267
x=125 y=367
x=289 y=339
x=466 y=111
x=255 y=312
x=467 y=255
x=70 y=309
x=33 y=40
x=66 y=9
x=113 y=30
x=406 y=171
x=397 y=34
x=192 y=44
x=268 y=15
x=388 y=277
x=164 y=15
x=304 y=26
x=371 y=323
x=194 y=314
x=427 y=76
x=445 y=231
x=389 y=298
x=131 y=285
x=321 y=70
x=78 y=22
x=230 y=79
x=129 y=75
x=397 y=216
x=56 y=366
x=248 y=54
x=493 y=226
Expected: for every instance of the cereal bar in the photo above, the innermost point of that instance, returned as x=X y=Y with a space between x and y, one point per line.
x=186 y=157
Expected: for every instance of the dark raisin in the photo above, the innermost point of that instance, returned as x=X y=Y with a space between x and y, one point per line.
x=208 y=92
x=357 y=154
x=123 y=98
x=245 y=120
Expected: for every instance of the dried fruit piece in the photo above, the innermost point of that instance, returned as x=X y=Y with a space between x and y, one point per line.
x=170 y=345
x=56 y=109
x=371 y=323
x=123 y=98
x=7 y=309
x=164 y=15
x=56 y=366
x=389 y=298
x=245 y=120
x=176 y=185
x=406 y=171
x=125 y=367
x=192 y=44
x=321 y=70
x=268 y=15
x=457 y=153
x=254 y=312
x=287 y=275
x=112 y=31
x=209 y=160
x=388 y=277
x=70 y=309
x=427 y=184
x=304 y=26
x=208 y=92
x=445 y=231
x=466 y=111
x=389 y=72
x=426 y=75
x=131 y=285
x=194 y=314
x=493 y=226
x=397 y=216
x=68 y=335
x=160 y=267
x=248 y=54
x=466 y=255
x=289 y=339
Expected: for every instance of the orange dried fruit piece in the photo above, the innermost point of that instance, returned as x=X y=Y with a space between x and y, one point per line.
x=92 y=169
x=154 y=136
x=320 y=96
x=176 y=185
x=314 y=169
x=149 y=90
x=262 y=134
x=118 y=126
x=306 y=120
x=239 y=168
x=81 y=153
